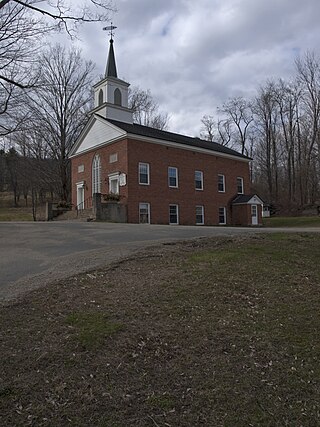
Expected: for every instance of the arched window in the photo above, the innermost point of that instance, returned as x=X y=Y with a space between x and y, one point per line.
x=100 y=97
x=96 y=174
x=117 y=97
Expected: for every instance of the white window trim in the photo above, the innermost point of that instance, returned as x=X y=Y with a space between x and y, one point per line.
x=202 y=209
x=96 y=174
x=114 y=177
x=177 y=181
x=224 y=183
x=224 y=214
x=148 y=174
x=174 y=223
x=149 y=219
x=198 y=189
x=242 y=192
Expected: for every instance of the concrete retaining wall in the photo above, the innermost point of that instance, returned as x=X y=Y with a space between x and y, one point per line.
x=108 y=211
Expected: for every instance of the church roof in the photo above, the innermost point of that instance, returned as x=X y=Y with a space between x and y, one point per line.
x=136 y=129
x=111 y=68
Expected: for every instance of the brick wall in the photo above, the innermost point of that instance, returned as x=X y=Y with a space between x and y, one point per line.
x=107 y=168
x=241 y=215
x=160 y=196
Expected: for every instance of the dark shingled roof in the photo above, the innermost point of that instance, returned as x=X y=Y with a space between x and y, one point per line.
x=149 y=132
x=243 y=198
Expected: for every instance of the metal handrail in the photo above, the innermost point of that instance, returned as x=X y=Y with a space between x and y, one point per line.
x=86 y=204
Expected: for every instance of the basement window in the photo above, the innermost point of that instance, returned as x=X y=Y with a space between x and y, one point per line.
x=173 y=214
x=222 y=216
x=199 y=215
x=144 y=213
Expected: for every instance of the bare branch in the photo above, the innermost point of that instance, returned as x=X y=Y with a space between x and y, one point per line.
x=15 y=83
x=84 y=17
x=146 y=110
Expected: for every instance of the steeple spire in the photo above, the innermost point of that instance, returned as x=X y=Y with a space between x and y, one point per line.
x=111 y=68
x=111 y=93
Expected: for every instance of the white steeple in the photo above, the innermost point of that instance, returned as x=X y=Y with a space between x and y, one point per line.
x=111 y=93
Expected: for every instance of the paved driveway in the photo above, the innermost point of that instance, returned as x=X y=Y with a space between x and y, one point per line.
x=34 y=254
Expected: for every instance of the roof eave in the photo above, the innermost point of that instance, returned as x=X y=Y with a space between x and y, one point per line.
x=186 y=147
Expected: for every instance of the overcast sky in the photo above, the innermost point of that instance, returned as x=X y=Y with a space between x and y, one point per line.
x=195 y=54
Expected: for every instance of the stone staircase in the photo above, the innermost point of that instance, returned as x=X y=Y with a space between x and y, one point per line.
x=74 y=215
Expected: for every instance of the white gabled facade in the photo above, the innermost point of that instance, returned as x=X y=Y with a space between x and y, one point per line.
x=96 y=133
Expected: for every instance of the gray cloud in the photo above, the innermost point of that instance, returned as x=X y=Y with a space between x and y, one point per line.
x=193 y=55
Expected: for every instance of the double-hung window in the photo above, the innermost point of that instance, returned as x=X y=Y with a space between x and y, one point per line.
x=144 y=173
x=199 y=215
x=173 y=214
x=173 y=177
x=144 y=213
x=222 y=216
x=221 y=184
x=240 y=185
x=198 y=178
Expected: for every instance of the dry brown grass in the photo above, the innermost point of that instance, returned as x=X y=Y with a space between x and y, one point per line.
x=213 y=332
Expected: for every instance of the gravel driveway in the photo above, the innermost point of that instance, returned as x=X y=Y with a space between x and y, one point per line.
x=35 y=254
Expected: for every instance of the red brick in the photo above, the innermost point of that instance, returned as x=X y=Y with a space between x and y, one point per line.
x=158 y=194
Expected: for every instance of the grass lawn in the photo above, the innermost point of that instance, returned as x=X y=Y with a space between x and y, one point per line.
x=15 y=214
x=210 y=332
x=297 y=221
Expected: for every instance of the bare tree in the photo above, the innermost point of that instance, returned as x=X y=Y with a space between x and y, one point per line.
x=308 y=74
x=57 y=109
x=287 y=118
x=280 y=129
x=224 y=130
x=18 y=34
x=208 y=128
x=266 y=118
x=219 y=131
x=238 y=113
x=13 y=179
x=146 y=110
x=287 y=97
x=23 y=23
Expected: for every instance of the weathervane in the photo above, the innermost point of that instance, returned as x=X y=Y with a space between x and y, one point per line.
x=110 y=28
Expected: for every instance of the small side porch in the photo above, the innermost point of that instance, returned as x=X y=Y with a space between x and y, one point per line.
x=247 y=210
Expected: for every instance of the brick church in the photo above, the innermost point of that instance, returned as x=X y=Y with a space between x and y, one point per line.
x=131 y=173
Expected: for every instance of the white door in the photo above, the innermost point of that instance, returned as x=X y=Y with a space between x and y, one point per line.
x=254 y=214
x=80 y=197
